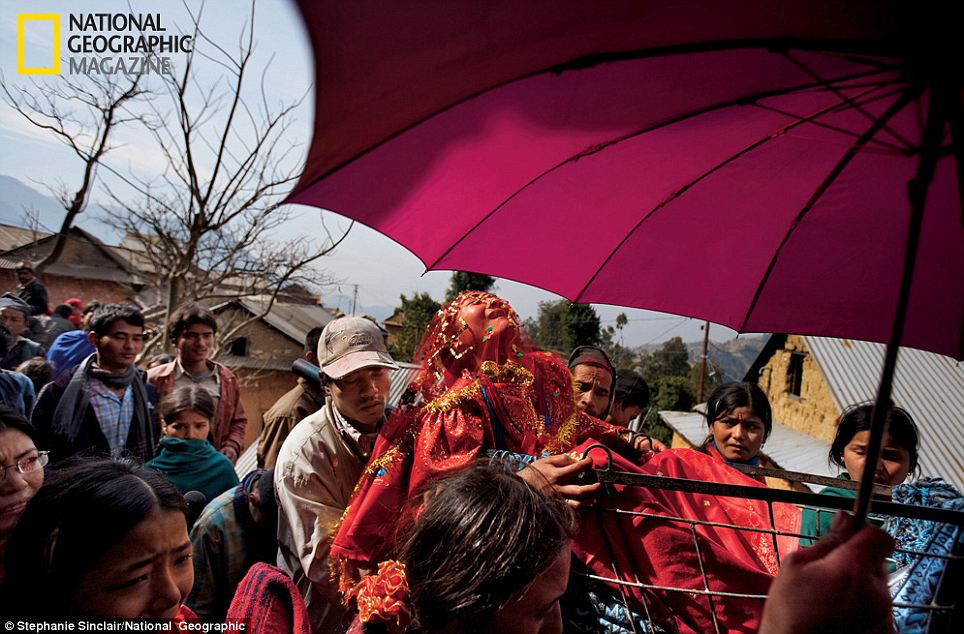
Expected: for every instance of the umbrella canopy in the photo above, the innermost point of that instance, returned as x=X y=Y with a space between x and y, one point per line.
x=742 y=162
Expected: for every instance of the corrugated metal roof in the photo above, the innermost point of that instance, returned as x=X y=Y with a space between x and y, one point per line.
x=13 y=237
x=252 y=363
x=929 y=386
x=248 y=460
x=400 y=380
x=294 y=320
x=788 y=448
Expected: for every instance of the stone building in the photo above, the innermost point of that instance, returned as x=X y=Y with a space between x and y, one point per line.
x=393 y=325
x=798 y=392
x=261 y=352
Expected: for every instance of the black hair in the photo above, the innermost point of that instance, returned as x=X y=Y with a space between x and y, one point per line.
x=10 y=418
x=268 y=504
x=186 y=398
x=105 y=316
x=64 y=310
x=85 y=508
x=311 y=339
x=188 y=314
x=857 y=418
x=730 y=396
x=265 y=486
x=481 y=538
x=39 y=371
x=631 y=389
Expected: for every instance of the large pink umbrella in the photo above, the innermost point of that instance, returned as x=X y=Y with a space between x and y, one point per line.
x=743 y=162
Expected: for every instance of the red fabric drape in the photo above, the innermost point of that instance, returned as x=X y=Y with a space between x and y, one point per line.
x=662 y=552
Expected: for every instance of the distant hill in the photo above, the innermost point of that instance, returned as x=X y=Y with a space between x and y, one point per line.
x=338 y=300
x=17 y=197
x=734 y=356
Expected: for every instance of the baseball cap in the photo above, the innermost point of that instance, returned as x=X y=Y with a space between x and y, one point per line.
x=351 y=343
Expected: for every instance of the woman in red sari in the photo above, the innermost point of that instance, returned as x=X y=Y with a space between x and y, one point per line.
x=740 y=421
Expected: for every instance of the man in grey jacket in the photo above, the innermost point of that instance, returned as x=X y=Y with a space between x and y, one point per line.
x=323 y=457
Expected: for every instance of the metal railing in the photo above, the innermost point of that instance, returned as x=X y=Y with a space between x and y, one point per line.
x=945 y=609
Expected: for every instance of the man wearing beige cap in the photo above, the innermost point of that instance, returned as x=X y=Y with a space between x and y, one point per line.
x=323 y=457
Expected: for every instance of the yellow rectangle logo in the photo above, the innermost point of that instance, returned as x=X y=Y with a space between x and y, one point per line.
x=22 y=19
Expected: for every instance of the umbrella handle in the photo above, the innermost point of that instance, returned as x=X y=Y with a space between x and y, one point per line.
x=917 y=193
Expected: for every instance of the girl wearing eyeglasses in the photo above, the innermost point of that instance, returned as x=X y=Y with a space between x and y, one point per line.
x=21 y=472
x=103 y=539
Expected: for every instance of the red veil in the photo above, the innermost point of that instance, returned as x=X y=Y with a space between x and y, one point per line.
x=481 y=386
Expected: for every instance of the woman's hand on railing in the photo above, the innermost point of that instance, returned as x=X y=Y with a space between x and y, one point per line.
x=573 y=480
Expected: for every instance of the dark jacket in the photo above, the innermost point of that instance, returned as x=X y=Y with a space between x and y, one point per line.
x=49 y=327
x=23 y=350
x=87 y=438
x=35 y=295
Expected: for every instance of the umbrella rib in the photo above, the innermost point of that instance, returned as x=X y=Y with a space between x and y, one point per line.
x=955 y=116
x=596 y=59
x=687 y=186
x=912 y=93
x=744 y=100
x=844 y=131
x=836 y=91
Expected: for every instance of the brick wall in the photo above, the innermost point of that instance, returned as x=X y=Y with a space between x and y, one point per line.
x=264 y=342
x=60 y=288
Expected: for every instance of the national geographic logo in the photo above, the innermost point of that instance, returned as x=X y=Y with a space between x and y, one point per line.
x=38 y=22
x=99 y=43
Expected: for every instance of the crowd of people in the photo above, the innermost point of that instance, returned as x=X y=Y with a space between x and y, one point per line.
x=468 y=506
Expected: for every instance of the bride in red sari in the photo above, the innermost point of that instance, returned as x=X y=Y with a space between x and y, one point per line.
x=482 y=387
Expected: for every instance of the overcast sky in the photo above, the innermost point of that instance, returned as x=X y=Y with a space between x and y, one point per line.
x=381 y=269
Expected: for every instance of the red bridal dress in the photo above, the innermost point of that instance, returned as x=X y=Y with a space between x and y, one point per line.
x=482 y=387
x=641 y=547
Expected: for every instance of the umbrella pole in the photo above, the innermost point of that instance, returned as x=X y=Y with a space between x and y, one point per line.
x=917 y=193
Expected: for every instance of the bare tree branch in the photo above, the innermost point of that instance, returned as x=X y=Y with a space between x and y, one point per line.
x=83 y=115
x=204 y=229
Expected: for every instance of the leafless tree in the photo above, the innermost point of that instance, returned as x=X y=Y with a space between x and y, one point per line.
x=83 y=113
x=203 y=228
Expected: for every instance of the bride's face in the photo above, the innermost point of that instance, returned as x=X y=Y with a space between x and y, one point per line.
x=487 y=326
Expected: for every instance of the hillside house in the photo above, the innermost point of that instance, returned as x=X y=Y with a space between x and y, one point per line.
x=87 y=268
x=809 y=381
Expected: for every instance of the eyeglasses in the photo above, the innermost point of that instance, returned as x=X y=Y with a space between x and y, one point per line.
x=27 y=464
